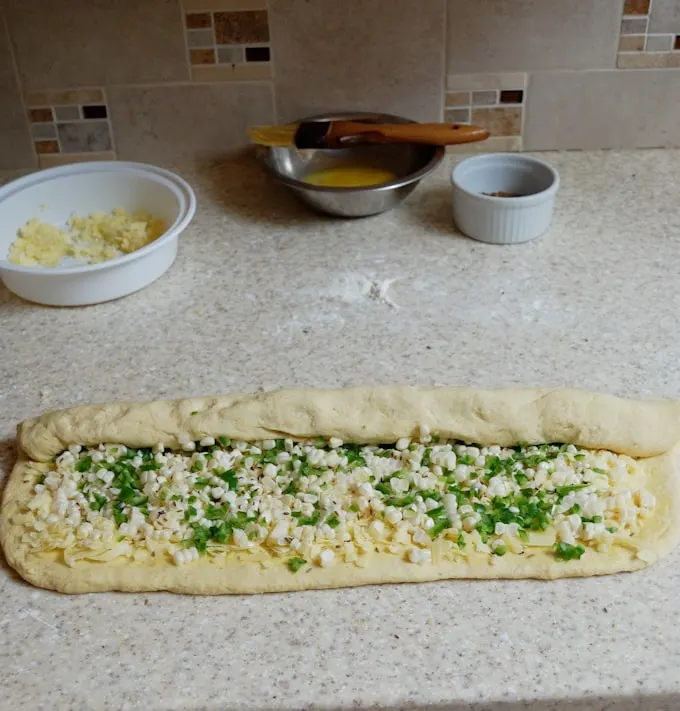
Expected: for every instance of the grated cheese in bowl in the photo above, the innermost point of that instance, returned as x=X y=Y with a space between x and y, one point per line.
x=95 y=238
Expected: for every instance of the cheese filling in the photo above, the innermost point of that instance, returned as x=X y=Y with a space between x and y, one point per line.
x=88 y=240
x=322 y=502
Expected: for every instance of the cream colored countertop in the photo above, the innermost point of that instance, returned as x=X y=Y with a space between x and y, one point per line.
x=264 y=294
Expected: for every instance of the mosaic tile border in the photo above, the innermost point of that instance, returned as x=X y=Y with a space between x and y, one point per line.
x=70 y=122
x=227 y=40
x=641 y=49
x=495 y=101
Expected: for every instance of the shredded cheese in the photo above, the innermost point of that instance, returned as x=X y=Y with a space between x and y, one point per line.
x=317 y=502
x=88 y=240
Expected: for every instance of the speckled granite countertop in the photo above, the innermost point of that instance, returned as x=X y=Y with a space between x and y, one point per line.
x=262 y=295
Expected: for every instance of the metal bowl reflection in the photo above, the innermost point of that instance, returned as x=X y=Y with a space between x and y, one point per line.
x=409 y=162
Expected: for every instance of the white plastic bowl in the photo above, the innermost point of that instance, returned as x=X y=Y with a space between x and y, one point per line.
x=503 y=220
x=55 y=195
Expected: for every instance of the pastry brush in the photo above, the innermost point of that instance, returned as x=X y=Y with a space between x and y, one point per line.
x=338 y=134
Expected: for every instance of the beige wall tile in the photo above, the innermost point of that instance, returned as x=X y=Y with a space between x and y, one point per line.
x=484 y=98
x=649 y=60
x=382 y=55
x=191 y=122
x=52 y=160
x=457 y=98
x=95 y=42
x=501 y=121
x=16 y=150
x=480 y=82
x=495 y=144
x=659 y=43
x=665 y=16
x=631 y=43
x=634 y=26
x=64 y=98
x=198 y=5
x=230 y=72
x=457 y=115
x=518 y=35
x=605 y=109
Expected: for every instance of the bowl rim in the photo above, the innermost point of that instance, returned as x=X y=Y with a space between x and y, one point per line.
x=348 y=116
x=176 y=184
x=540 y=196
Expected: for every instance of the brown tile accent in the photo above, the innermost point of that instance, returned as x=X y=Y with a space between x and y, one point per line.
x=631 y=43
x=241 y=27
x=51 y=160
x=676 y=44
x=484 y=98
x=63 y=98
x=457 y=98
x=233 y=72
x=649 y=60
x=40 y=115
x=457 y=115
x=636 y=7
x=502 y=121
x=46 y=147
x=198 y=20
x=257 y=54
x=202 y=56
x=512 y=96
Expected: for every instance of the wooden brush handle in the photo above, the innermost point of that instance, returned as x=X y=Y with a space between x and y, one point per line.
x=437 y=134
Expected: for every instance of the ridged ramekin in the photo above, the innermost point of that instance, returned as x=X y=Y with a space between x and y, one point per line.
x=503 y=220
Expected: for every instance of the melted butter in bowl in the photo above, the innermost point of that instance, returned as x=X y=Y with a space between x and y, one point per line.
x=350 y=176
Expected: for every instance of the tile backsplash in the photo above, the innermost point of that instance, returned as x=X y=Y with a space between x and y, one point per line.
x=181 y=80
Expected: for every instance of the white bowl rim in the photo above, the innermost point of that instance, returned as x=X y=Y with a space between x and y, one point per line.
x=520 y=158
x=172 y=181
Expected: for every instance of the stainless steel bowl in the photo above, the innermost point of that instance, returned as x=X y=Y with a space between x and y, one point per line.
x=409 y=162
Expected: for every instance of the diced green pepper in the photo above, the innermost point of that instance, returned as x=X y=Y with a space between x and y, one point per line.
x=565 y=551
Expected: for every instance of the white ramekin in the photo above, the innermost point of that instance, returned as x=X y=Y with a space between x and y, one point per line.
x=54 y=195
x=503 y=220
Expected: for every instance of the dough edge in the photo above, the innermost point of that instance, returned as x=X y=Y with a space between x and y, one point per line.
x=641 y=429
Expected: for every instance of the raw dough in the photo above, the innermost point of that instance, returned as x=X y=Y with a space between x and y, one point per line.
x=358 y=415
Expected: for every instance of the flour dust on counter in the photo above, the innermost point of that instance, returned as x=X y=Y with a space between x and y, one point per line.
x=311 y=489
